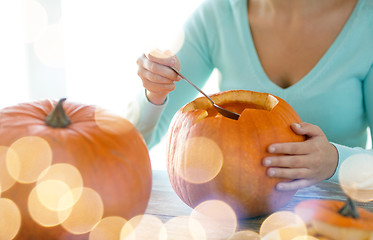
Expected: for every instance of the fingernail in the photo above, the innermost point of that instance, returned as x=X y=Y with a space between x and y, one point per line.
x=271 y=172
x=280 y=187
x=267 y=162
x=271 y=149
x=297 y=125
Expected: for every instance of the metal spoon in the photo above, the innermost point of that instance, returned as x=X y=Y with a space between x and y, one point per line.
x=222 y=111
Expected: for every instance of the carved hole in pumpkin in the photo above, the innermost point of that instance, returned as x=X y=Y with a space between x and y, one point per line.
x=236 y=101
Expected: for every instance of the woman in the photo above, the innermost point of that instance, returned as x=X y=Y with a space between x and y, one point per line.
x=317 y=55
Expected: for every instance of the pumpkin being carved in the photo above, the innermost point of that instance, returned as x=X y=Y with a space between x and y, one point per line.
x=214 y=157
x=106 y=150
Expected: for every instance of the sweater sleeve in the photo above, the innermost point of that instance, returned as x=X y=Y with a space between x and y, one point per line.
x=343 y=151
x=153 y=120
x=144 y=115
x=196 y=65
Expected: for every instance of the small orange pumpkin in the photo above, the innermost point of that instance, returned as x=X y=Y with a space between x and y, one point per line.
x=214 y=157
x=107 y=150
x=336 y=219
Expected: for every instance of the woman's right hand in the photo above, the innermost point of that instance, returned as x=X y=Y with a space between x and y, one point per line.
x=157 y=78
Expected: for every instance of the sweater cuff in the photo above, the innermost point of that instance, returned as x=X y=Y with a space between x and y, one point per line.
x=343 y=153
x=149 y=112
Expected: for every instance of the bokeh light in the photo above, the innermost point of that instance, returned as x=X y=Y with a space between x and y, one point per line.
x=85 y=214
x=49 y=47
x=168 y=44
x=112 y=123
x=34 y=155
x=55 y=195
x=158 y=53
x=305 y=238
x=68 y=175
x=35 y=20
x=6 y=180
x=108 y=228
x=144 y=227
x=43 y=215
x=245 y=235
x=185 y=228
x=200 y=160
x=10 y=219
x=216 y=217
x=356 y=177
x=282 y=225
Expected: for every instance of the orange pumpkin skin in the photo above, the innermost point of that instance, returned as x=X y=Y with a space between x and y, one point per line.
x=112 y=160
x=324 y=217
x=242 y=181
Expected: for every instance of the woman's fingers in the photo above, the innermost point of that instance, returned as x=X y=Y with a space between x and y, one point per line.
x=154 y=70
x=160 y=70
x=157 y=78
x=164 y=88
x=294 y=185
x=305 y=163
x=306 y=129
x=163 y=57
x=289 y=173
x=288 y=148
x=295 y=161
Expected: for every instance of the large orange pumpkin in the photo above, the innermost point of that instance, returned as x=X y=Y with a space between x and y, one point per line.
x=214 y=157
x=107 y=150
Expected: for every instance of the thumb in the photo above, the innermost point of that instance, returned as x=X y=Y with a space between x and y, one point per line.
x=162 y=57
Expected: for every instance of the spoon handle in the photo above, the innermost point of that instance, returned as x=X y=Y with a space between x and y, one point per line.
x=178 y=73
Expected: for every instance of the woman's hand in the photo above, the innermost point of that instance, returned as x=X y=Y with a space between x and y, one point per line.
x=157 y=78
x=306 y=163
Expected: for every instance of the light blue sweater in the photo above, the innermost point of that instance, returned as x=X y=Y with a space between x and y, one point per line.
x=336 y=95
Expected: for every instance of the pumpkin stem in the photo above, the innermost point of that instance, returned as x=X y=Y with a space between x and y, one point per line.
x=58 y=118
x=349 y=209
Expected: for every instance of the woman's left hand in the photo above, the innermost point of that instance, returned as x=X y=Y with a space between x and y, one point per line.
x=305 y=163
